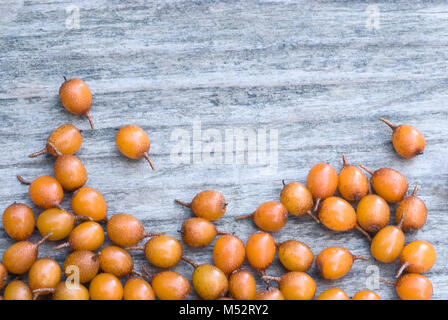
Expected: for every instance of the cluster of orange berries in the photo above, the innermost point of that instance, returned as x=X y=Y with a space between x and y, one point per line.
x=225 y=279
x=336 y=213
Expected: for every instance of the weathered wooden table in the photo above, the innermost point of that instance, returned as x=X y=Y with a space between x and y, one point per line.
x=312 y=75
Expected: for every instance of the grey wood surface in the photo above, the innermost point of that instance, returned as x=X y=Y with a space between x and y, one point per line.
x=316 y=71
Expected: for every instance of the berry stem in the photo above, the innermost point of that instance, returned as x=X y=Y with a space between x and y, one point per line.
x=402 y=268
x=316 y=206
x=276 y=279
x=193 y=264
x=23 y=181
x=135 y=272
x=389 y=282
x=87 y=114
x=364 y=232
x=344 y=161
x=83 y=218
x=38 y=153
x=135 y=248
x=146 y=270
x=361 y=258
x=38 y=243
x=42 y=291
x=366 y=169
x=414 y=192
x=62 y=246
x=392 y=126
x=316 y=219
x=52 y=146
x=263 y=275
x=222 y=233
x=245 y=217
x=146 y=155
x=150 y=234
x=283 y=182
x=185 y=204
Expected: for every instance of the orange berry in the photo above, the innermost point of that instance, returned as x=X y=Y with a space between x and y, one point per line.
x=18 y=221
x=76 y=98
x=89 y=202
x=333 y=294
x=133 y=143
x=352 y=183
x=228 y=253
x=260 y=250
x=366 y=295
x=407 y=140
x=372 y=213
x=208 y=204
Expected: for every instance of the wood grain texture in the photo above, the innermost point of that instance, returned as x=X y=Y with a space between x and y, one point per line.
x=310 y=69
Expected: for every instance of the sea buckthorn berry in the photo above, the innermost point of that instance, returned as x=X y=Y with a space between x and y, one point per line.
x=242 y=285
x=17 y=290
x=70 y=172
x=199 y=232
x=56 y=221
x=415 y=209
x=66 y=139
x=85 y=263
x=170 y=285
x=209 y=282
x=161 y=251
x=44 y=273
x=372 y=213
x=298 y=200
x=337 y=214
x=208 y=204
x=352 y=183
x=269 y=216
x=295 y=285
x=295 y=255
x=335 y=262
x=269 y=294
x=366 y=295
x=90 y=203
x=116 y=261
x=333 y=294
x=76 y=98
x=20 y=256
x=407 y=140
x=86 y=236
x=70 y=292
x=388 y=183
x=134 y=143
x=322 y=181
x=46 y=192
x=106 y=286
x=414 y=286
x=228 y=253
x=125 y=230
x=387 y=244
x=3 y=276
x=18 y=221
x=417 y=257
x=138 y=289
x=260 y=250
